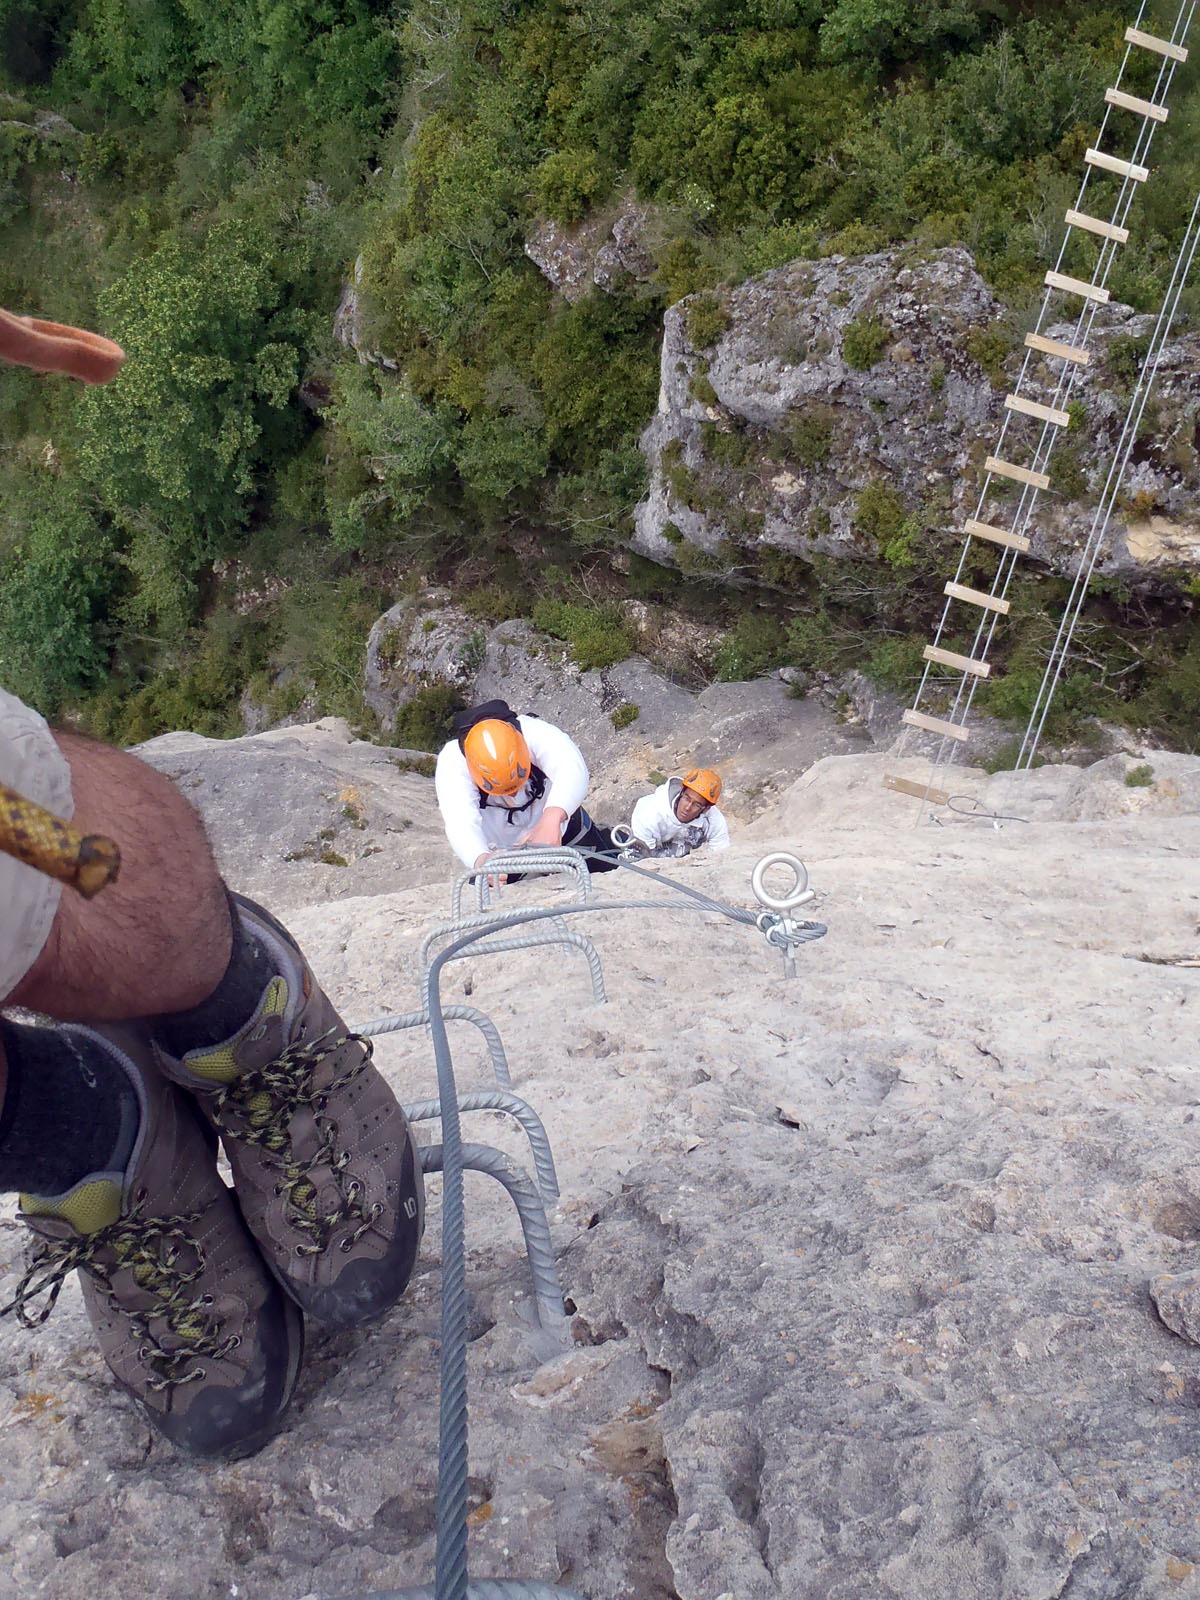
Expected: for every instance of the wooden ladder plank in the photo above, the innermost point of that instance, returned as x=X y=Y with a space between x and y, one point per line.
x=1034 y=408
x=1140 y=108
x=948 y=730
x=1006 y=469
x=921 y=791
x=1160 y=47
x=976 y=597
x=1089 y=291
x=947 y=658
x=1055 y=347
x=1106 y=230
x=986 y=530
x=1123 y=169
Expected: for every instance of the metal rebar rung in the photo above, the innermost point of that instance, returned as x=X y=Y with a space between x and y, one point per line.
x=570 y=939
x=418 y=1019
x=523 y=1192
x=555 y=932
x=498 y=1100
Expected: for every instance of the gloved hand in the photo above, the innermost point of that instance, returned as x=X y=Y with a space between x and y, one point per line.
x=673 y=848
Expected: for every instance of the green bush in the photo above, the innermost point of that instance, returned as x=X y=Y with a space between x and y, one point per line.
x=810 y=435
x=424 y=722
x=705 y=320
x=756 y=644
x=863 y=342
x=567 y=183
x=1140 y=776
x=596 y=634
x=624 y=715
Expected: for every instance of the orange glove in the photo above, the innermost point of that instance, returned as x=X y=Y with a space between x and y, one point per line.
x=51 y=347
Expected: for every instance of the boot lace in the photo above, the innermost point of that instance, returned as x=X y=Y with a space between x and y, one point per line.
x=176 y=1331
x=257 y=1108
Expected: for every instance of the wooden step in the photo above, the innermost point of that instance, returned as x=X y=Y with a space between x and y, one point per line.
x=1106 y=230
x=976 y=597
x=1140 y=108
x=1089 y=291
x=1006 y=469
x=947 y=658
x=985 y=530
x=1033 y=408
x=1123 y=169
x=1160 y=47
x=948 y=730
x=921 y=791
x=1055 y=347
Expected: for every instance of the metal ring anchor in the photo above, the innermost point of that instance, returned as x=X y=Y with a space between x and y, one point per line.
x=799 y=893
x=622 y=835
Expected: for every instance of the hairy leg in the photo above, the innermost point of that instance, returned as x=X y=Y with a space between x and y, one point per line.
x=159 y=938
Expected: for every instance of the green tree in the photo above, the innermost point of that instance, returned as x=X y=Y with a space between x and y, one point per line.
x=57 y=584
x=178 y=445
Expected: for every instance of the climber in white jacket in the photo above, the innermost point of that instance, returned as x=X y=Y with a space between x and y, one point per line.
x=681 y=816
x=508 y=781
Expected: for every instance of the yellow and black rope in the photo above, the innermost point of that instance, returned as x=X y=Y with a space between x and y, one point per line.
x=34 y=835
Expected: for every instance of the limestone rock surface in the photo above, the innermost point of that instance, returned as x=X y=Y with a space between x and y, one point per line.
x=824 y=379
x=869 y=1269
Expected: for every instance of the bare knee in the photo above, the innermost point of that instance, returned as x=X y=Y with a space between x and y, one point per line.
x=158 y=939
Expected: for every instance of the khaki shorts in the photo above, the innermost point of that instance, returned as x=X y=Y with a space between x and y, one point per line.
x=32 y=764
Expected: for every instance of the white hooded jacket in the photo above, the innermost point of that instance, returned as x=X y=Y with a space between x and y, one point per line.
x=473 y=829
x=655 y=823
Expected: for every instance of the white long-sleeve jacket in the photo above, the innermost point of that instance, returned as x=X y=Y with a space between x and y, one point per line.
x=655 y=823
x=473 y=829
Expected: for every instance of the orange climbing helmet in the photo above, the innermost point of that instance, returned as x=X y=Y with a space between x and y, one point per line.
x=498 y=758
x=705 y=783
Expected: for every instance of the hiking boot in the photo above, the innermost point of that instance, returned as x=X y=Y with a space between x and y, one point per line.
x=189 y=1320
x=323 y=1160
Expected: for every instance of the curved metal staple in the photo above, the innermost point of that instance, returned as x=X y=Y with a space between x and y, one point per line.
x=541 y=859
x=418 y=1019
x=529 y=941
x=497 y=1100
x=523 y=1193
x=444 y=930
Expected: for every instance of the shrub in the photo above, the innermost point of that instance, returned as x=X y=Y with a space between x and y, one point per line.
x=755 y=645
x=810 y=435
x=863 y=342
x=624 y=715
x=567 y=183
x=424 y=723
x=596 y=634
x=705 y=320
x=1140 y=777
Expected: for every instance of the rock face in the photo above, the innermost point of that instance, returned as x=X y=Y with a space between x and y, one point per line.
x=881 y=1277
x=601 y=251
x=793 y=404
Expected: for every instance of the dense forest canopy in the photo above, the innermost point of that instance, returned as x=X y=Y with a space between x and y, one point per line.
x=199 y=179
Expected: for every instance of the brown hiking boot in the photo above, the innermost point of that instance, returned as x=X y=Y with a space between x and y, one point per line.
x=323 y=1161
x=189 y=1320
